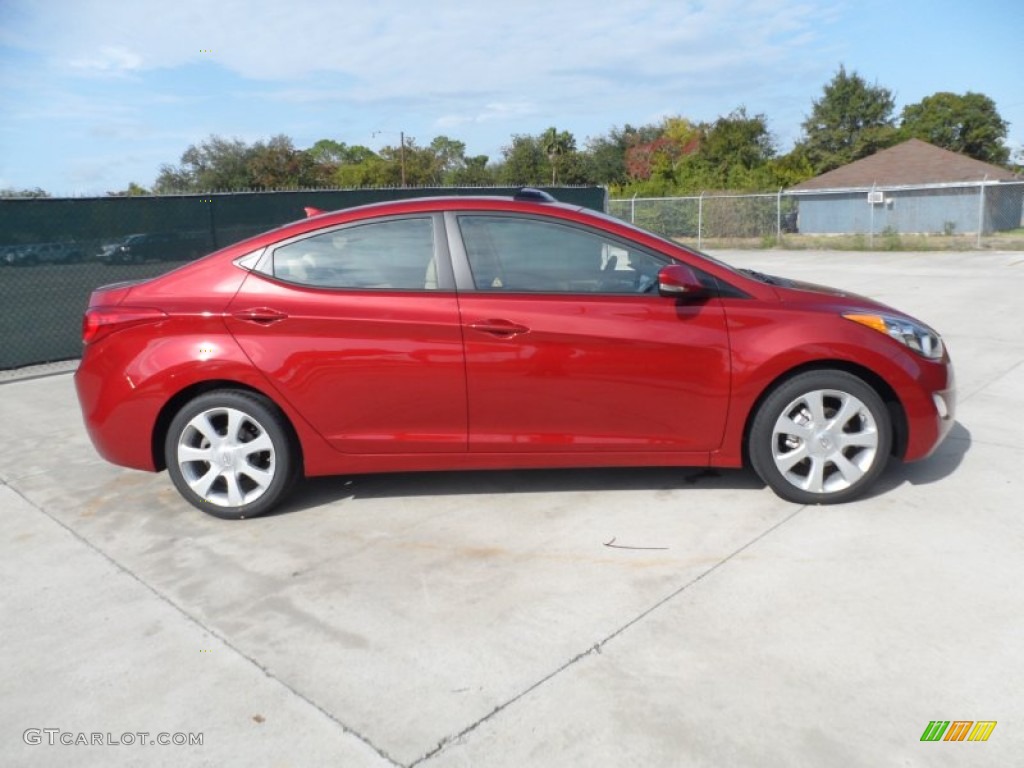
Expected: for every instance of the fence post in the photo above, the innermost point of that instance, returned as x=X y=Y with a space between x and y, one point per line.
x=213 y=225
x=981 y=210
x=632 y=209
x=871 y=226
x=700 y=218
x=778 y=218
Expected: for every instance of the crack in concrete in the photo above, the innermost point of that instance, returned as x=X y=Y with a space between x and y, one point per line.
x=193 y=620
x=990 y=382
x=598 y=646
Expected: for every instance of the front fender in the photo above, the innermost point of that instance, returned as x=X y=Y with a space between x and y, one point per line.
x=767 y=353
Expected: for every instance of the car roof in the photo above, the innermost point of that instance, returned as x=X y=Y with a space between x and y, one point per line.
x=451 y=202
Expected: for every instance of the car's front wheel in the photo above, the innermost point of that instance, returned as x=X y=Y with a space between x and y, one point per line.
x=230 y=453
x=821 y=437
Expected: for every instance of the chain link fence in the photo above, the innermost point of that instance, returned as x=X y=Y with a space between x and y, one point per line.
x=55 y=251
x=937 y=216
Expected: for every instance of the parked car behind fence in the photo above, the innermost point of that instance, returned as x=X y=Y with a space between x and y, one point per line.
x=153 y=246
x=43 y=253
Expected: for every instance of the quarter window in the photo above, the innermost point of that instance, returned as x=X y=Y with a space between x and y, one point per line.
x=397 y=254
x=513 y=254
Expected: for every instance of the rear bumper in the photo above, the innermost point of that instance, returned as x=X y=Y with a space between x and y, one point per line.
x=118 y=422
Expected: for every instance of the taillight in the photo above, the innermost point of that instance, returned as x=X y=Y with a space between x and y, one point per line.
x=100 y=321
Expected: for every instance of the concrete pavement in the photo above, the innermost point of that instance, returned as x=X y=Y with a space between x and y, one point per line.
x=458 y=619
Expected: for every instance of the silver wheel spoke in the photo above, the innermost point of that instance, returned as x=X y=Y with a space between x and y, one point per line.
x=786 y=426
x=816 y=405
x=866 y=439
x=188 y=453
x=257 y=445
x=202 y=425
x=850 y=472
x=849 y=409
x=235 y=420
x=201 y=485
x=815 y=481
x=235 y=497
x=786 y=461
x=261 y=477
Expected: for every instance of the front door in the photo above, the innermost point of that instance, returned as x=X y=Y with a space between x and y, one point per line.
x=569 y=347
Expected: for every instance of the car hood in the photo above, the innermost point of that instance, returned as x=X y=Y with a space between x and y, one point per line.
x=800 y=292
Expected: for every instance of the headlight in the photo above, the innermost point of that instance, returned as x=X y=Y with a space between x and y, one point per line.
x=919 y=338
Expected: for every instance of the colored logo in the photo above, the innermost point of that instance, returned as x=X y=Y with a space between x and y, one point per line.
x=958 y=730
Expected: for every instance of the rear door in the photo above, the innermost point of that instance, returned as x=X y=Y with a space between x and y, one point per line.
x=358 y=327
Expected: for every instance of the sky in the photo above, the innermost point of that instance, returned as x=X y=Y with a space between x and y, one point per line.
x=95 y=94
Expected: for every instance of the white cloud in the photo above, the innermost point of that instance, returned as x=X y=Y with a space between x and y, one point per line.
x=397 y=48
x=109 y=59
x=113 y=71
x=493 y=111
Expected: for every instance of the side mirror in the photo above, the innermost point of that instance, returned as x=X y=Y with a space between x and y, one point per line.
x=678 y=280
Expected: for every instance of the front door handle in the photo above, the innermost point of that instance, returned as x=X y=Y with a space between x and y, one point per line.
x=501 y=328
x=260 y=315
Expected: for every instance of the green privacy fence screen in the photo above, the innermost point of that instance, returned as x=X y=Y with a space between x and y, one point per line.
x=54 y=252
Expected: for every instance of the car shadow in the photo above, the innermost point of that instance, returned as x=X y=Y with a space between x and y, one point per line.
x=940 y=465
x=314 y=492
x=317 y=491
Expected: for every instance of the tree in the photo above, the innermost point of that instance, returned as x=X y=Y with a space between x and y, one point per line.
x=555 y=144
x=654 y=159
x=216 y=163
x=968 y=124
x=333 y=153
x=660 y=155
x=1016 y=163
x=412 y=165
x=733 y=150
x=851 y=120
x=474 y=172
x=276 y=164
x=790 y=169
x=133 y=190
x=607 y=155
x=12 y=192
x=449 y=158
x=231 y=164
x=372 y=171
x=523 y=163
x=328 y=152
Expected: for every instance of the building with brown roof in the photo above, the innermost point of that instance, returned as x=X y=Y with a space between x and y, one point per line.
x=914 y=187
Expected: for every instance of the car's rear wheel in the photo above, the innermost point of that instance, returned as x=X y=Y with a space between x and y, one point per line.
x=821 y=437
x=230 y=453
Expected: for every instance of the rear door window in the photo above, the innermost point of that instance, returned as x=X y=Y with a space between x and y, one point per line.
x=396 y=254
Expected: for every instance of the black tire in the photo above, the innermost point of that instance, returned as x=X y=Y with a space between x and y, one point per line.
x=821 y=437
x=217 y=469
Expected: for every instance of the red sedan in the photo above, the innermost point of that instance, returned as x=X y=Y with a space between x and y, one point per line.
x=485 y=333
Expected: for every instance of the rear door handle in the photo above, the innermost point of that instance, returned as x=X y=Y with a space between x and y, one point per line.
x=500 y=328
x=260 y=315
